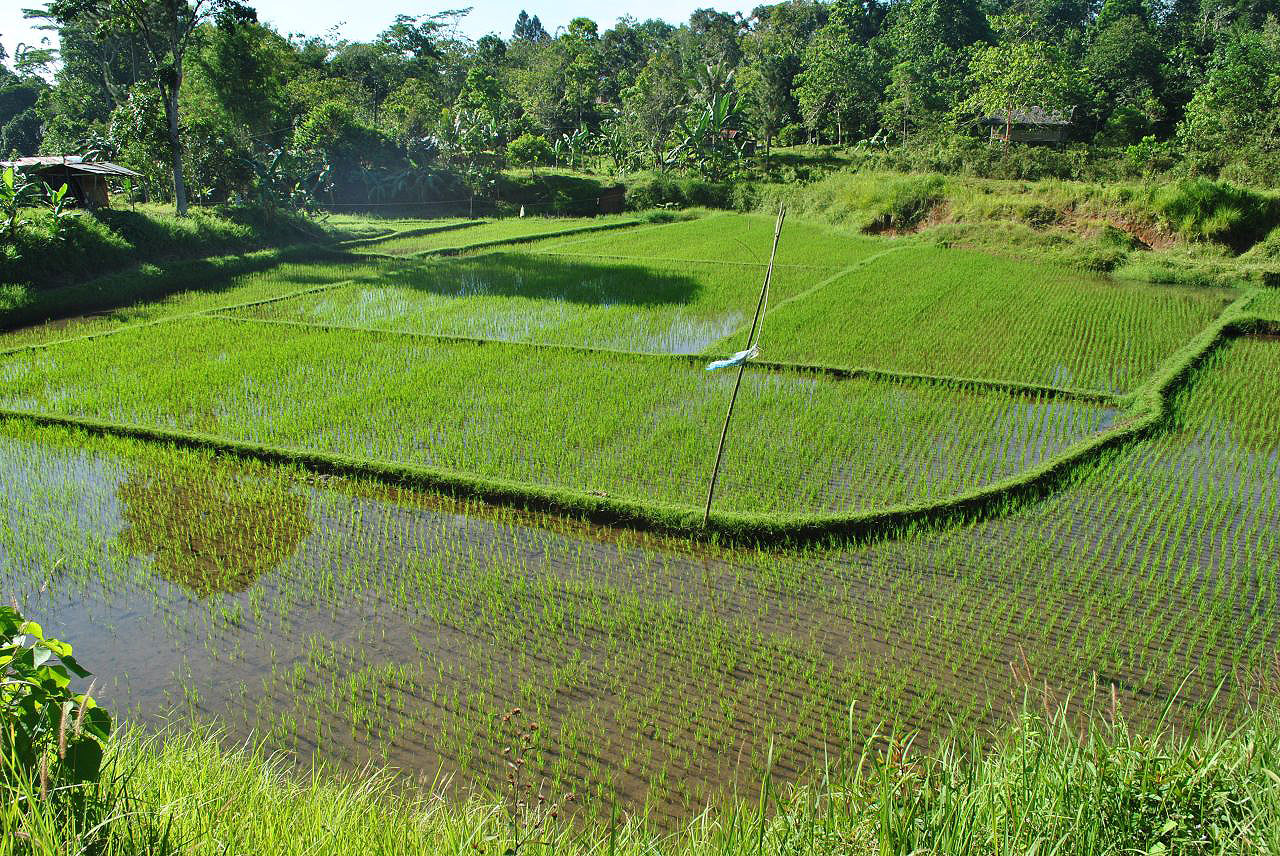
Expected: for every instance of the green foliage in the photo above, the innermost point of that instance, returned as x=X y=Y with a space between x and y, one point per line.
x=1148 y=156
x=551 y=192
x=284 y=183
x=16 y=193
x=907 y=202
x=51 y=737
x=841 y=82
x=1206 y=210
x=19 y=195
x=1207 y=792
x=1233 y=116
x=711 y=140
x=529 y=150
x=91 y=244
x=1017 y=75
x=668 y=191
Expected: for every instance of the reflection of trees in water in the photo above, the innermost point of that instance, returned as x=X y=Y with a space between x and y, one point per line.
x=211 y=525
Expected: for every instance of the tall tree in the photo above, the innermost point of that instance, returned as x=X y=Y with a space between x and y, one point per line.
x=1124 y=63
x=773 y=49
x=1016 y=74
x=166 y=30
x=579 y=47
x=653 y=105
x=624 y=50
x=931 y=40
x=843 y=77
x=1238 y=107
x=713 y=38
x=529 y=29
x=247 y=67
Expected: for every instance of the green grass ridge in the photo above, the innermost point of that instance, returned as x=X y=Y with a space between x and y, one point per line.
x=840 y=372
x=499 y=242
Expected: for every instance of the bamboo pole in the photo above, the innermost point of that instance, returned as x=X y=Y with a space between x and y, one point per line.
x=742 y=367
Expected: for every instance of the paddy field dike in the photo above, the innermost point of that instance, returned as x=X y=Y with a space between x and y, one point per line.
x=361 y=503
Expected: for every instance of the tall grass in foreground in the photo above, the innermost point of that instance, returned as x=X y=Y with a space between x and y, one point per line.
x=1044 y=786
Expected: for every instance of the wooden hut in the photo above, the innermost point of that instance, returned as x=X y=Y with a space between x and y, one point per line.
x=86 y=180
x=1033 y=125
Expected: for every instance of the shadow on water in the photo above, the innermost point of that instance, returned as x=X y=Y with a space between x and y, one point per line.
x=208 y=526
x=583 y=282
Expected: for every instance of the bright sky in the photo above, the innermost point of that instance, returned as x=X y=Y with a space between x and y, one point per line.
x=367 y=18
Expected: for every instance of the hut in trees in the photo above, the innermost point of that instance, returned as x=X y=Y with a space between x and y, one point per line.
x=1033 y=125
x=86 y=180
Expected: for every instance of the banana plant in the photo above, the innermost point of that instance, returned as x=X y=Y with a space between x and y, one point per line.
x=16 y=193
x=282 y=181
x=573 y=144
x=58 y=209
x=709 y=140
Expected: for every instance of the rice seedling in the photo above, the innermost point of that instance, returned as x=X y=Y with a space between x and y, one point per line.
x=468 y=234
x=1267 y=303
x=657 y=307
x=345 y=621
x=398 y=629
x=926 y=309
x=734 y=239
x=619 y=425
x=276 y=278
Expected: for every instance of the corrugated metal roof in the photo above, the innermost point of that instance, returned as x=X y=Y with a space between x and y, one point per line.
x=104 y=168
x=73 y=162
x=1032 y=116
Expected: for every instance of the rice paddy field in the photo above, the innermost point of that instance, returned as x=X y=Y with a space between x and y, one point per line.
x=165 y=502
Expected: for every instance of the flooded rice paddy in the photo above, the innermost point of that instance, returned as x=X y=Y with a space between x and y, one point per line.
x=347 y=623
x=635 y=427
x=344 y=622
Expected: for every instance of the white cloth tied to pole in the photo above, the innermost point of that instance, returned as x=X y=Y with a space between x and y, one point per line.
x=736 y=360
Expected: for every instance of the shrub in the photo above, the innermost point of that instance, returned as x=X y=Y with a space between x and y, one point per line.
x=1204 y=210
x=93 y=243
x=51 y=738
x=791 y=135
x=668 y=191
x=529 y=150
x=907 y=202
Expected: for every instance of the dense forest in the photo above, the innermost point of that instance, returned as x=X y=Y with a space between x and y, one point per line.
x=211 y=105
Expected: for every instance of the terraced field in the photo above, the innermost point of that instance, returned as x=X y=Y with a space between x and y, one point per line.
x=937 y=311
x=349 y=619
x=456 y=235
x=653 y=307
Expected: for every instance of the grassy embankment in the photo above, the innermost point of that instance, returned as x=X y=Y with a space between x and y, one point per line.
x=118 y=260
x=110 y=258
x=1043 y=786
x=1195 y=232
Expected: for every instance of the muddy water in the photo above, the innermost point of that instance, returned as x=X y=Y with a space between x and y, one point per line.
x=352 y=624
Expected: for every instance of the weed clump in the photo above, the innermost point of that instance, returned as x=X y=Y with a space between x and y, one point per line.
x=1204 y=210
x=906 y=203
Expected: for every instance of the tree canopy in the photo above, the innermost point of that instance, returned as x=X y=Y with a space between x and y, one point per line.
x=191 y=93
